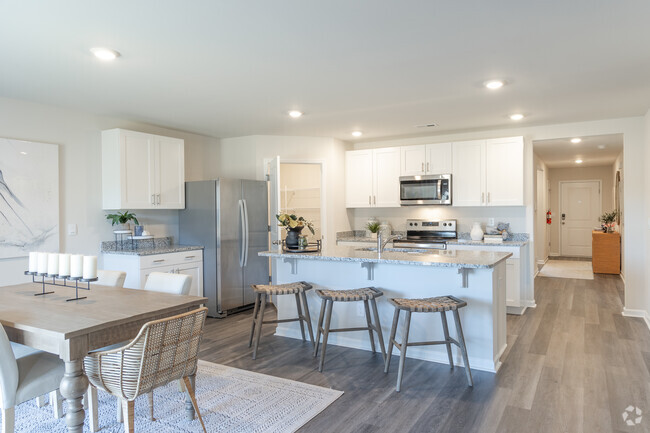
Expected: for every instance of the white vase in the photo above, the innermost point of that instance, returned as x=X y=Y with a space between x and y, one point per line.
x=477 y=233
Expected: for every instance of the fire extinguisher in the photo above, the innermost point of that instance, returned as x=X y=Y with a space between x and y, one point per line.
x=548 y=217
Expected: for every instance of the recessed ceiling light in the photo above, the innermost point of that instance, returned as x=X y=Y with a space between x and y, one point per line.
x=517 y=116
x=105 y=54
x=23 y=153
x=494 y=84
x=357 y=133
x=601 y=146
x=578 y=161
x=576 y=140
x=295 y=113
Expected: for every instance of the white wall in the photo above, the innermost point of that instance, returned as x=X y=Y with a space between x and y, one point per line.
x=636 y=132
x=244 y=157
x=556 y=175
x=79 y=140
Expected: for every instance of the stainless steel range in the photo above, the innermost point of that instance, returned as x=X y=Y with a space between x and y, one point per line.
x=427 y=234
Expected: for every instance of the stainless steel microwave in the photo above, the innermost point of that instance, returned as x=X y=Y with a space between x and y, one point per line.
x=425 y=190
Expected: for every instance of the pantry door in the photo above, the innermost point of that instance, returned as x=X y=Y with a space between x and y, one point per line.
x=580 y=207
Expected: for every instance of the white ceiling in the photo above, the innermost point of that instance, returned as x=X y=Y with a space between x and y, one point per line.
x=595 y=150
x=232 y=68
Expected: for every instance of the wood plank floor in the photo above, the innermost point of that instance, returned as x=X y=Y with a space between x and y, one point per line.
x=573 y=364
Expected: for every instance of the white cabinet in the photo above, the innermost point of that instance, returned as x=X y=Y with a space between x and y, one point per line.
x=138 y=268
x=372 y=177
x=426 y=159
x=488 y=172
x=142 y=171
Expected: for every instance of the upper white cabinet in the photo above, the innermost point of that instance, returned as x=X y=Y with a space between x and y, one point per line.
x=426 y=159
x=142 y=171
x=372 y=177
x=488 y=172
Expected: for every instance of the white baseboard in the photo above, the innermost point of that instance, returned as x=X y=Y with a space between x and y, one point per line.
x=622 y=278
x=542 y=262
x=627 y=312
x=554 y=254
x=517 y=311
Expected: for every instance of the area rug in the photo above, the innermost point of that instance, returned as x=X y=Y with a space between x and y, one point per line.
x=581 y=270
x=231 y=400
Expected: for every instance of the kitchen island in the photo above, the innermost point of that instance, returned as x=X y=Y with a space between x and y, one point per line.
x=477 y=277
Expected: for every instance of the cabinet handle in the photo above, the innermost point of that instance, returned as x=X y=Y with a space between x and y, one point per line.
x=482 y=197
x=374 y=199
x=153 y=198
x=427 y=167
x=369 y=199
x=422 y=167
x=189 y=257
x=158 y=198
x=159 y=261
x=488 y=197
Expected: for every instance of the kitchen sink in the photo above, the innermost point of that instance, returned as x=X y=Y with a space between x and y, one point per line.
x=395 y=250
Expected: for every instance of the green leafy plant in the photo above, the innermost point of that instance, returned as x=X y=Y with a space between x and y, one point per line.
x=608 y=217
x=291 y=221
x=122 y=218
x=373 y=226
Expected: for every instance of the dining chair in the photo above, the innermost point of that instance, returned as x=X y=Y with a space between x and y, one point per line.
x=110 y=278
x=178 y=284
x=164 y=350
x=25 y=376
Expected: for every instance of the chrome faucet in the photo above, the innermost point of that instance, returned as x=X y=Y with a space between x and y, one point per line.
x=381 y=244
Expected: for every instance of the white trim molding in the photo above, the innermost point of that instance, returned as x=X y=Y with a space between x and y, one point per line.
x=627 y=312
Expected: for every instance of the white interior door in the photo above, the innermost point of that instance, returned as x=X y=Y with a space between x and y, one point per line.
x=579 y=210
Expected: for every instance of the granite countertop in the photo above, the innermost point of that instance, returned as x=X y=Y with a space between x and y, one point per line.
x=513 y=243
x=515 y=240
x=400 y=256
x=145 y=247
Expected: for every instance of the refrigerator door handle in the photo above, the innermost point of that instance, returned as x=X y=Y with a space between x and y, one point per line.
x=243 y=229
x=246 y=233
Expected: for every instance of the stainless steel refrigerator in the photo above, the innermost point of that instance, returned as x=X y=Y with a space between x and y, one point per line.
x=229 y=217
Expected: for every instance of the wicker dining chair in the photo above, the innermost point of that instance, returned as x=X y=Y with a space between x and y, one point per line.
x=164 y=351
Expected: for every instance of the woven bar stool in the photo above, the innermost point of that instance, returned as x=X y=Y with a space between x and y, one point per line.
x=367 y=295
x=263 y=293
x=427 y=305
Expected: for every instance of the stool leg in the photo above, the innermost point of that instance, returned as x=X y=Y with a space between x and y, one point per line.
x=445 y=328
x=307 y=316
x=300 y=316
x=326 y=332
x=319 y=328
x=402 y=357
x=391 y=339
x=463 y=348
x=380 y=334
x=255 y=310
x=260 y=318
x=372 y=337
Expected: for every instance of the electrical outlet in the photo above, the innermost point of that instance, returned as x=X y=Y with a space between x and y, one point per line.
x=72 y=229
x=360 y=312
x=491 y=221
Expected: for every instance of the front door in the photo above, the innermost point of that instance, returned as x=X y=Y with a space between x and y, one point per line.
x=580 y=208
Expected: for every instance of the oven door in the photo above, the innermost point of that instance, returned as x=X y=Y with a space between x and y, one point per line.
x=425 y=190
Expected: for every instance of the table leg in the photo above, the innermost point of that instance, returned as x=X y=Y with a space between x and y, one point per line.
x=189 y=408
x=73 y=386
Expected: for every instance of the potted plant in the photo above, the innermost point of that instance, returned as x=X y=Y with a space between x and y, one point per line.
x=122 y=219
x=294 y=225
x=607 y=219
x=373 y=227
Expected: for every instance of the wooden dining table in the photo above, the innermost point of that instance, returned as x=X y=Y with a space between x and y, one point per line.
x=71 y=329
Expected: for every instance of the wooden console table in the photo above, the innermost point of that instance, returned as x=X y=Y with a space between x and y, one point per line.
x=606 y=252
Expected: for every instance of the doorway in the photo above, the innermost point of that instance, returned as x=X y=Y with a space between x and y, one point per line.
x=580 y=208
x=300 y=194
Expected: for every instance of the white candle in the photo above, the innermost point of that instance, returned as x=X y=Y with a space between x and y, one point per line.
x=64 y=265
x=90 y=267
x=42 y=263
x=52 y=264
x=76 y=265
x=33 y=262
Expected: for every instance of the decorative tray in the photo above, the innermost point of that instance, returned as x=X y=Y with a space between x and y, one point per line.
x=312 y=247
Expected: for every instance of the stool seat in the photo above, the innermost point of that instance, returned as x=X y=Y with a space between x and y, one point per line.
x=428 y=305
x=282 y=289
x=351 y=295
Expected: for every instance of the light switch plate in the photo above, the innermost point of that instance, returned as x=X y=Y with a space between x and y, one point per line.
x=72 y=229
x=491 y=221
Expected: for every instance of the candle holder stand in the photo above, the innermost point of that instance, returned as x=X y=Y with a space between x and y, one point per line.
x=65 y=279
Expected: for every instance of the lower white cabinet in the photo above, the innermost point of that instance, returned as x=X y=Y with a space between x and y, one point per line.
x=138 y=268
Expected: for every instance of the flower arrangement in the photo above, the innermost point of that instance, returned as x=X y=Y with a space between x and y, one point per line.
x=291 y=221
x=607 y=219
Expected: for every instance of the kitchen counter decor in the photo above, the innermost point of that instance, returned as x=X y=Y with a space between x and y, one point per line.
x=294 y=225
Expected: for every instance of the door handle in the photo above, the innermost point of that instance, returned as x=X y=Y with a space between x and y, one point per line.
x=158 y=199
x=246 y=232
x=159 y=261
x=422 y=167
x=153 y=198
x=369 y=199
x=241 y=240
x=427 y=166
x=482 y=197
x=189 y=257
x=374 y=199
x=488 y=197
